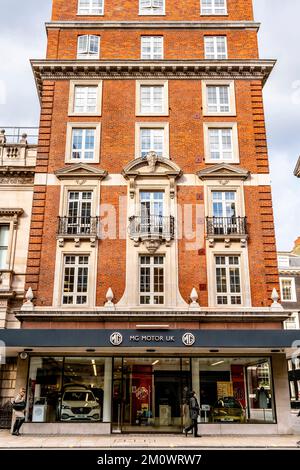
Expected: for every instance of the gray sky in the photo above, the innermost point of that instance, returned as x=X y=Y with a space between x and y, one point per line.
x=22 y=36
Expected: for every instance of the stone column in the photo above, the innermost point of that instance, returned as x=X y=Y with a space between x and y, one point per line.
x=281 y=393
x=107 y=390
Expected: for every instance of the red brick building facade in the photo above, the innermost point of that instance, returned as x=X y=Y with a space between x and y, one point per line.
x=152 y=221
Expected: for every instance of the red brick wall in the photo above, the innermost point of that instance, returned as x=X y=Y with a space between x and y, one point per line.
x=126 y=44
x=176 y=10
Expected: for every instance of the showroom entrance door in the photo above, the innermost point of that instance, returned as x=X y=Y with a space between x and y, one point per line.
x=149 y=394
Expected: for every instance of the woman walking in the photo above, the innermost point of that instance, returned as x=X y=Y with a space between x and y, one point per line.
x=19 y=406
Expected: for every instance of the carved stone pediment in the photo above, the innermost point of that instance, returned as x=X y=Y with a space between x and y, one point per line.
x=151 y=166
x=223 y=172
x=80 y=172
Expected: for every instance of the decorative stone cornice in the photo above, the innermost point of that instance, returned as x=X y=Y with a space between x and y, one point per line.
x=223 y=171
x=10 y=212
x=153 y=25
x=252 y=69
x=80 y=171
x=151 y=166
x=16 y=175
x=297 y=169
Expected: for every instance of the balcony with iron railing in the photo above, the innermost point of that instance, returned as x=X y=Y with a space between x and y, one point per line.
x=78 y=228
x=152 y=228
x=18 y=146
x=226 y=228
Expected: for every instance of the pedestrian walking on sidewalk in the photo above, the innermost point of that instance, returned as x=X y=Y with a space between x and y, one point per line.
x=19 y=406
x=194 y=413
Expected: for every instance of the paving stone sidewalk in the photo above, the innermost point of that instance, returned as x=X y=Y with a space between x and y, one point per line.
x=7 y=441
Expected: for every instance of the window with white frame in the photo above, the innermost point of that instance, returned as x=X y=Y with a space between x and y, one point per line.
x=213 y=7
x=151 y=211
x=220 y=144
x=283 y=261
x=151 y=7
x=90 y=7
x=152 y=140
x=85 y=99
x=75 y=280
x=218 y=99
x=290 y=365
x=152 y=47
x=83 y=144
x=215 y=47
x=287 y=289
x=79 y=212
x=228 y=280
x=152 y=283
x=224 y=203
x=152 y=98
x=4 y=236
x=291 y=323
x=88 y=47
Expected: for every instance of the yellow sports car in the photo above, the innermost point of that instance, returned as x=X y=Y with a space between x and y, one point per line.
x=228 y=410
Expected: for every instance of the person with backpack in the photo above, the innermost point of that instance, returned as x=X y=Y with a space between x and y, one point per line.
x=194 y=413
x=19 y=406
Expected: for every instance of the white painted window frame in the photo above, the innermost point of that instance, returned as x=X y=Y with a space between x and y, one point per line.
x=88 y=55
x=215 y=53
x=235 y=141
x=83 y=125
x=220 y=83
x=151 y=9
x=214 y=10
x=152 y=125
x=152 y=293
x=293 y=289
x=227 y=266
x=152 y=41
x=76 y=267
x=152 y=83
x=90 y=12
x=72 y=96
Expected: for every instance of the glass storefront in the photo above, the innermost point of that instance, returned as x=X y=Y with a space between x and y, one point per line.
x=138 y=394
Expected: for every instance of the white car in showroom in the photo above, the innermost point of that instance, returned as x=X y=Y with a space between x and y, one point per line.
x=79 y=404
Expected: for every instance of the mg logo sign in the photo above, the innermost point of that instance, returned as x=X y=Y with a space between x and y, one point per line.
x=188 y=339
x=116 y=338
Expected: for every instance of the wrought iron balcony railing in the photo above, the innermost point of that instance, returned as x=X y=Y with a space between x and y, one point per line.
x=78 y=226
x=226 y=226
x=152 y=227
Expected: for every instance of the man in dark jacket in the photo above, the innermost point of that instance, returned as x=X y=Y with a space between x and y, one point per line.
x=194 y=413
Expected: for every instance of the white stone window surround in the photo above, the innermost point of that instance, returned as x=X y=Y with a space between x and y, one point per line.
x=152 y=83
x=213 y=10
x=84 y=250
x=83 y=125
x=293 y=289
x=152 y=125
x=152 y=7
x=130 y=298
x=151 y=40
x=9 y=217
x=214 y=40
x=85 y=83
x=92 y=11
x=217 y=83
x=218 y=250
x=235 y=141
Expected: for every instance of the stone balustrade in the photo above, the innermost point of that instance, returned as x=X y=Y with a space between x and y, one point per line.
x=17 y=154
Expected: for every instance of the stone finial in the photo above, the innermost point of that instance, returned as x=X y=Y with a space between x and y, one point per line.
x=28 y=305
x=275 y=297
x=194 y=299
x=2 y=136
x=109 y=297
x=23 y=139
